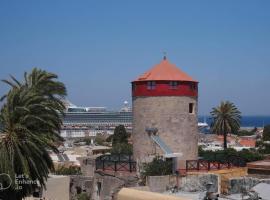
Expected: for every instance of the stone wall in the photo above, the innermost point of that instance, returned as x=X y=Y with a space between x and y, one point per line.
x=88 y=165
x=80 y=184
x=198 y=182
x=190 y=183
x=226 y=175
x=106 y=186
x=133 y=194
x=100 y=185
x=57 y=187
x=176 y=126
x=160 y=183
x=238 y=185
x=111 y=184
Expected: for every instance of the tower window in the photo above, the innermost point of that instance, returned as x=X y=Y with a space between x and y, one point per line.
x=191 y=108
x=151 y=85
x=192 y=86
x=173 y=84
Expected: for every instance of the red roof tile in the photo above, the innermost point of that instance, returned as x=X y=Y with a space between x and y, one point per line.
x=165 y=71
x=247 y=142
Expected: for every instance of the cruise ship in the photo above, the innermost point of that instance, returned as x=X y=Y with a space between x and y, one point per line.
x=90 y=121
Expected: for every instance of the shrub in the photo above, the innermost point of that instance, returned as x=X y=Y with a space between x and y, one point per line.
x=123 y=148
x=248 y=155
x=266 y=133
x=83 y=196
x=157 y=167
x=263 y=145
x=264 y=148
x=71 y=170
x=246 y=133
x=99 y=140
x=87 y=140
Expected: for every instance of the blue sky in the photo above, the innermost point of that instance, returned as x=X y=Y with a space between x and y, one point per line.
x=98 y=47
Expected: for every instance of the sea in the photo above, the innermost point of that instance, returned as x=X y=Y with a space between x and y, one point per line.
x=246 y=121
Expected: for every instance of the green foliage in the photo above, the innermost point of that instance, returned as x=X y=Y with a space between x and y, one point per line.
x=226 y=119
x=123 y=148
x=200 y=151
x=99 y=140
x=266 y=149
x=71 y=170
x=245 y=133
x=119 y=140
x=83 y=196
x=157 y=167
x=87 y=140
x=109 y=139
x=31 y=123
x=250 y=155
x=266 y=133
x=263 y=145
x=120 y=135
x=222 y=155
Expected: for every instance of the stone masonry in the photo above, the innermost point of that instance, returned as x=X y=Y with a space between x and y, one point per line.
x=176 y=126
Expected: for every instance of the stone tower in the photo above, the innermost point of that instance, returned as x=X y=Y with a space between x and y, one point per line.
x=165 y=103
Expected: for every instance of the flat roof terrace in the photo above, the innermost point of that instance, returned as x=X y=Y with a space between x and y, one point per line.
x=261 y=167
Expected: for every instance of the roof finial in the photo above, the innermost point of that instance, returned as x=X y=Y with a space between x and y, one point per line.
x=164 y=55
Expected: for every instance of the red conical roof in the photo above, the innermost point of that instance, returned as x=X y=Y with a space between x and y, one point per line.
x=165 y=71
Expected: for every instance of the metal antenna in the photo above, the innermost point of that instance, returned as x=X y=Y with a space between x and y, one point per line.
x=164 y=55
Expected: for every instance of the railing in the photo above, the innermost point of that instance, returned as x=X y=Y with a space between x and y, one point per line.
x=207 y=165
x=161 y=144
x=116 y=163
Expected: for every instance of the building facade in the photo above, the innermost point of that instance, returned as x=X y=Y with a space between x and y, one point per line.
x=165 y=104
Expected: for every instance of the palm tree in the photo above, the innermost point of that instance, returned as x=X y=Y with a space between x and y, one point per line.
x=30 y=125
x=226 y=119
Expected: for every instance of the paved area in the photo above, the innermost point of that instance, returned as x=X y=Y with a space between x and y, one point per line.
x=263 y=189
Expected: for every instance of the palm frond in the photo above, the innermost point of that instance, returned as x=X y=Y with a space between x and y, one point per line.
x=226 y=119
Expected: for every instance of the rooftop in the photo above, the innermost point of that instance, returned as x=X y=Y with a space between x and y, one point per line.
x=165 y=71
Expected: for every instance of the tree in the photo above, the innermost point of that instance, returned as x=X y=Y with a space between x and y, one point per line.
x=264 y=144
x=122 y=148
x=266 y=133
x=226 y=119
x=31 y=122
x=119 y=140
x=120 y=135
